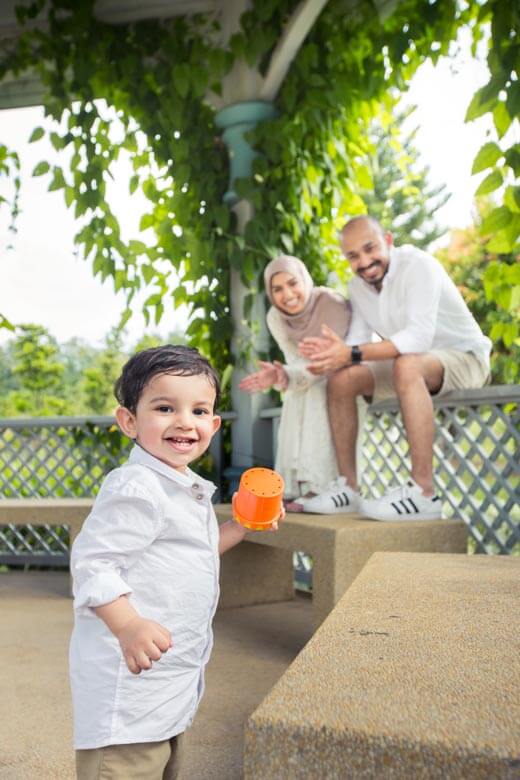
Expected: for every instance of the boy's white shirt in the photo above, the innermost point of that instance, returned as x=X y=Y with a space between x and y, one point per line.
x=419 y=308
x=153 y=534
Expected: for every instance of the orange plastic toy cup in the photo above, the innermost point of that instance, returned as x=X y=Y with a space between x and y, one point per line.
x=258 y=502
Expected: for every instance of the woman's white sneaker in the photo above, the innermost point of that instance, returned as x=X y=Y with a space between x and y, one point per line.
x=339 y=498
x=404 y=503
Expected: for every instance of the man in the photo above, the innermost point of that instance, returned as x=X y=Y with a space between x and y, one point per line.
x=429 y=344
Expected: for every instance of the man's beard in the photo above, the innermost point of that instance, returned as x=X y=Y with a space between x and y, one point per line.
x=375 y=281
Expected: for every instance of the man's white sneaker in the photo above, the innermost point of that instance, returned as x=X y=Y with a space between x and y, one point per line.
x=404 y=503
x=339 y=498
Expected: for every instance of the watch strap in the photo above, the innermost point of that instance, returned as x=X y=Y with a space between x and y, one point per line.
x=356 y=354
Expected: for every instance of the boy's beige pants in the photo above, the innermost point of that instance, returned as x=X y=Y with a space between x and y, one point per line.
x=137 y=761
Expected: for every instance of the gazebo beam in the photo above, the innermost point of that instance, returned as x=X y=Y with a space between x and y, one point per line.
x=124 y=11
x=289 y=44
x=115 y=12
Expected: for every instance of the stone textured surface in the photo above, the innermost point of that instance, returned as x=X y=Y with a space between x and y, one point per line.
x=250 y=574
x=46 y=511
x=253 y=647
x=415 y=674
x=340 y=545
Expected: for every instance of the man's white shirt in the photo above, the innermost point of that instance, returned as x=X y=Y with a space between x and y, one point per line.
x=152 y=534
x=418 y=308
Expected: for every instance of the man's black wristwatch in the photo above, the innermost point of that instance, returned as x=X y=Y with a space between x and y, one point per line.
x=356 y=355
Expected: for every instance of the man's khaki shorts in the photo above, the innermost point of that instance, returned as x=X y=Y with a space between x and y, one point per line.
x=462 y=371
x=136 y=761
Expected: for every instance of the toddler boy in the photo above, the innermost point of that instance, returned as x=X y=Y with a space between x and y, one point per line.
x=145 y=568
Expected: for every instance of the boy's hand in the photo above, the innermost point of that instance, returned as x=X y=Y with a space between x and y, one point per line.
x=142 y=642
x=274 y=526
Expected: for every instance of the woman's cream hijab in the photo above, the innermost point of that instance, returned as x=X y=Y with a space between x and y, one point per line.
x=322 y=305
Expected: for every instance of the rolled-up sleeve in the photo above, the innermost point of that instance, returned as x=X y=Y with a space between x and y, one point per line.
x=423 y=292
x=123 y=522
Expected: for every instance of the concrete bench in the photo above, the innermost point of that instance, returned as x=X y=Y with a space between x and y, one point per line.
x=260 y=570
x=340 y=545
x=70 y=512
x=415 y=674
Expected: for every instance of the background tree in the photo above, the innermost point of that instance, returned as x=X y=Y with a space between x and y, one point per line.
x=401 y=196
x=36 y=374
x=9 y=198
x=150 y=340
x=99 y=378
x=76 y=356
x=471 y=265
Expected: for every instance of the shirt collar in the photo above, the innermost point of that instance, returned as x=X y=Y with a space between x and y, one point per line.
x=393 y=263
x=187 y=480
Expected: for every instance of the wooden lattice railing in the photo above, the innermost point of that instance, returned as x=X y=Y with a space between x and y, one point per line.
x=62 y=456
x=476 y=460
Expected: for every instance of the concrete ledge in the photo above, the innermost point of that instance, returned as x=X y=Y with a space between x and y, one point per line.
x=340 y=545
x=261 y=570
x=46 y=511
x=250 y=574
x=414 y=675
x=273 y=569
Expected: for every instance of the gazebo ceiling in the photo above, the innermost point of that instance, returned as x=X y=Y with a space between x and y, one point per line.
x=117 y=11
x=26 y=91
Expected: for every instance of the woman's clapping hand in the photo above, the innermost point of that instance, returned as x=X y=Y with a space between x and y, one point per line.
x=269 y=374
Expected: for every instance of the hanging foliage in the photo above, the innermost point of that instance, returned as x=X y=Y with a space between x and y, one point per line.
x=140 y=90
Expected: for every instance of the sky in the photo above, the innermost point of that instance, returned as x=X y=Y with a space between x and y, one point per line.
x=42 y=281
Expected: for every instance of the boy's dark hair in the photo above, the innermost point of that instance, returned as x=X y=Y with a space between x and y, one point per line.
x=172 y=359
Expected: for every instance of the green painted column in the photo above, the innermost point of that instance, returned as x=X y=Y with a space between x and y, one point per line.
x=235 y=121
x=251 y=436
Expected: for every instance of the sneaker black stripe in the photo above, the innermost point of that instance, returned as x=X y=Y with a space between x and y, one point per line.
x=395 y=506
x=347 y=502
x=335 y=502
x=405 y=506
x=414 y=506
x=436 y=498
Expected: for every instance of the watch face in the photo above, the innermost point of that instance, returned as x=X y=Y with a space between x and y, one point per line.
x=356 y=354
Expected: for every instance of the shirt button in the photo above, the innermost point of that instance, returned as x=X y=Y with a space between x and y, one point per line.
x=195 y=486
x=200 y=496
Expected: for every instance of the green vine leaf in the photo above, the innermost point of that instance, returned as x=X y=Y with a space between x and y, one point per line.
x=36 y=134
x=58 y=181
x=498 y=219
x=42 y=168
x=501 y=118
x=491 y=183
x=487 y=156
x=513 y=99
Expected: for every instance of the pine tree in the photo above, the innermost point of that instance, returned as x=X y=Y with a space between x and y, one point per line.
x=402 y=199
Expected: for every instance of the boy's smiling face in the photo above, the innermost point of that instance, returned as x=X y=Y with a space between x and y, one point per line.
x=174 y=420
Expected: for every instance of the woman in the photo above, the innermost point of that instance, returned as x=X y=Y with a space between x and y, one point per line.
x=305 y=456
